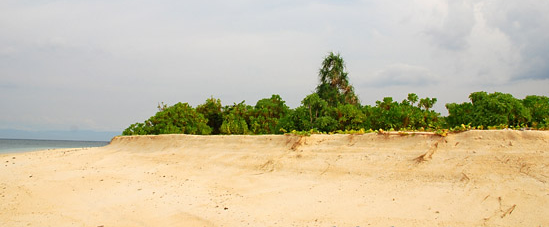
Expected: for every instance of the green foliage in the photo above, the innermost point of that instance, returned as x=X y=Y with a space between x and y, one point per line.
x=334 y=86
x=427 y=103
x=441 y=132
x=412 y=98
x=497 y=109
x=459 y=114
x=136 y=129
x=235 y=119
x=461 y=128
x=349 y=117
x=289 y=122
x=266 y=114
x=539 y=110
x=334 y=107
x=388 y=114
x=179 y=118
x=490 y=110
x=316 y=107
x=354 y=132
x=316 y=114
x=212 y=110
x=326 y=124
x=300 y=133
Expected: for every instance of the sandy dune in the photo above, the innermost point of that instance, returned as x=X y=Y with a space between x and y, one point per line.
x=476 y=178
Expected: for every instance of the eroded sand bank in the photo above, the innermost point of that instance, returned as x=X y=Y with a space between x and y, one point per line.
x=476 y=178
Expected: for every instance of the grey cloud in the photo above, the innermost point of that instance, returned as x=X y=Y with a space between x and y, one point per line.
x=492 y=42
x=456 y=26
x=403 y=74
x=526 y=25
x=106 y=64
x=8 y=85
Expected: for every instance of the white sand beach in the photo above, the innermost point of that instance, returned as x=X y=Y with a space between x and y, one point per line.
x=474 y=178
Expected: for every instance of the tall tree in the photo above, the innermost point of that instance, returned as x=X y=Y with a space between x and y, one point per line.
x=334 y=86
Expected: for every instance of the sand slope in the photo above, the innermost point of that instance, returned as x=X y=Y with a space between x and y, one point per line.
x=476 y=178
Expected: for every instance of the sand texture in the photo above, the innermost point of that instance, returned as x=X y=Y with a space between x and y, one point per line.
x=475 y=178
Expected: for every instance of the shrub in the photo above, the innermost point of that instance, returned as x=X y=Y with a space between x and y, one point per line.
x=212 y=110
x=235 y=119
x=180 y=118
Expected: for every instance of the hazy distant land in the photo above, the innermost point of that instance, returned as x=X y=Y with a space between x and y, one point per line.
x=79 y=135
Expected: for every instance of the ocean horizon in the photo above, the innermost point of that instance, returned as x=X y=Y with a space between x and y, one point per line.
x=28 y=145
x=72 y=135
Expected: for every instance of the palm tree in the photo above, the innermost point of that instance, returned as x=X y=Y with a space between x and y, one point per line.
x=412 y=98
x=334 y=84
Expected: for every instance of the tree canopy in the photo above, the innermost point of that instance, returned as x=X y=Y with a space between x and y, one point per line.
x=335 y=107
x=176 y=119
x=496 y=109
x=334 y=86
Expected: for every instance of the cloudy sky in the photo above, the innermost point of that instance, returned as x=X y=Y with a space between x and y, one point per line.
x=104 y=64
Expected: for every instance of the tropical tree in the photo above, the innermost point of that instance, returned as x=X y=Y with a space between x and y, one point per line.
x=235 y=119
x=180 y=118
x=459 y=114
x=212 y=110
x=389 y=114
x=318 y=114
x=485 y=110
x=334 y=86
x=427 y=103
x=136 y=129
x=316 y=107
x=349 y=117
x=334 y=106
x=539 y=110
x=498 y=109
x=266 y=114
x=314 y=113
x=412 y=98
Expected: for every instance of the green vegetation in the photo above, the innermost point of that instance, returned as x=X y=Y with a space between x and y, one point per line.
x=179 y=118
x=335 y=108
x=212 y=110
x=499 y=110
x=334 y=86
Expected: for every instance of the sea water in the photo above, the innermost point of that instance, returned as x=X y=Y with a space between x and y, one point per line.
x=25 y=145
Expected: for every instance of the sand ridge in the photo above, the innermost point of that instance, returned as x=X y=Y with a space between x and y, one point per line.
x=475 y=178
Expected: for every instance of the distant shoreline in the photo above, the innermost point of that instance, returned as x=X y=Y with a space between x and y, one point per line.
x=8 y=146
x=79 y=135
x=63 y=140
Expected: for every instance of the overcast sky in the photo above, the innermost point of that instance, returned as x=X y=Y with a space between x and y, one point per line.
x=105 y=64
